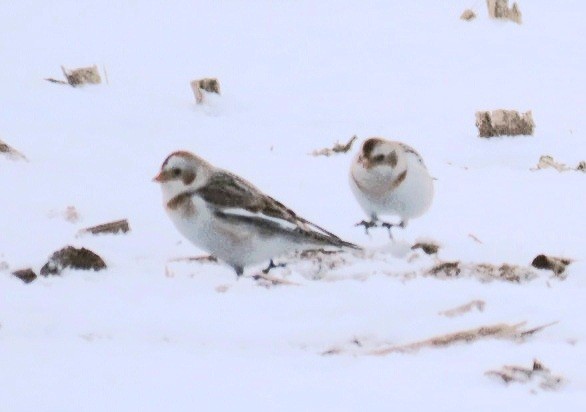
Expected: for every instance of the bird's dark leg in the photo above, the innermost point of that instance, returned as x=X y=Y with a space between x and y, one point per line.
x=367 y=225
x=272 y=266
x=388 y=226
x=239 y=271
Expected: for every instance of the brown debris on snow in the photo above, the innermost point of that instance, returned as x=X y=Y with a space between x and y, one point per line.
x=429 y=248
x=10 y=152
x=338 y=148
x=521 y=374
x=484 y=272
x=547 y=161
x=26 y=275
x=71 y=257
x=267 y=281
x=199 y=86
x=468 y=15
x=499 y=331
x=556 y=264
x=468 y=307
x=499 y=9
x=446 y=270
x=513 y=332
x=200 y=259
x=79 y=77
x=504 y=123
x=111 y=227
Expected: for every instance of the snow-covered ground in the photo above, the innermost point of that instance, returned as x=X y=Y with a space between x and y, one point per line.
x=151 y=333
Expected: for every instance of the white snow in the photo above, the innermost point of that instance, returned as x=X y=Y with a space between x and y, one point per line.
x=154 y=334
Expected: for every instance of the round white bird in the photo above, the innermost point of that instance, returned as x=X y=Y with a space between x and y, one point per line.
x=228 y=217
x=390 y=178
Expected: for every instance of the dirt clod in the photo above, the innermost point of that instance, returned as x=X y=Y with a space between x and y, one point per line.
x=26 y=275
x=428 y=247
x=74 y=258
x=556 y=264
x=468 y=15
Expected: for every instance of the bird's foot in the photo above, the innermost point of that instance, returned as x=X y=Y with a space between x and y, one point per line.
x=388 y=226
x=272 y=266
x=367 y=225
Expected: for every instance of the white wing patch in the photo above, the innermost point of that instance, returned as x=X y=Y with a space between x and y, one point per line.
x=235 y=211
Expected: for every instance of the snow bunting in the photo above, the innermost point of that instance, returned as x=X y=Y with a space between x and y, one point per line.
x=390 y=178
x=228 y=217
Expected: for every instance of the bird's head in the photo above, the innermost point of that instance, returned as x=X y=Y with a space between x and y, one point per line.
x=380 y=155
x=181 y=171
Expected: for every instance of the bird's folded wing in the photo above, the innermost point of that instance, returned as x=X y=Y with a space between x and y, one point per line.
x=230 y=194
x=410 y=151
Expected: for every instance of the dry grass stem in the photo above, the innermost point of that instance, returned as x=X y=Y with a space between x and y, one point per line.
x=499 y=331
x=266 y=280
x=111 y=227
x=468 y=307
x=338 y=148
x=201 y=259
x=79 y=77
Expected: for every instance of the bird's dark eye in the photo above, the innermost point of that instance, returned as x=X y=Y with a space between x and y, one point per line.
x=378 y=158
x=176 y=172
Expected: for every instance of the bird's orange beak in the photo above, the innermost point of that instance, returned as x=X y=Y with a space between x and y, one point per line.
x=160 y=178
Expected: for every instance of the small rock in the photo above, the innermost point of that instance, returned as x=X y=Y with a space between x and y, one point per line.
x=26 y=275
x=71 y=257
